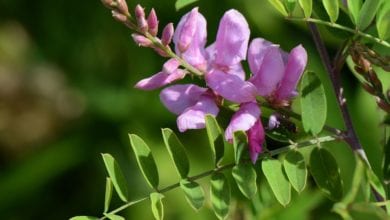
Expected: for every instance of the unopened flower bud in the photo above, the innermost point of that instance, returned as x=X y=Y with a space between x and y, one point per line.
x=368 y=88
x=171 y=65
x=122 y=7
x=119 y=16
x=111 y=4
x=140 y=17
x=160 y=52
x=365 y=64
x=187 y=30
x=382 y=104
x=153 y=23
x=141 y=40
x=167 y=34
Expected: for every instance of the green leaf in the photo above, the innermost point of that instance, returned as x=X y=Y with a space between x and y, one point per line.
x=145 y=160
x=273 y=172
x=364 y=211
x=177 y=152
x=383 y=21
x=313 y=103
x=84 y=218
x=193 y=192
x=295 y=168
x=307 y=6
x=375 y=182
x=354 y=9
x=290 y=5
x=215 y=135
x=114 y=217
x=278 y=5
x=332 y=8
x=239 y=142
x=116 y=175
x=220 y=195
x=245 y=176
x=326 y=173
x=157 y=205
x=367 y=13
x=183 y=3
x=108 y=195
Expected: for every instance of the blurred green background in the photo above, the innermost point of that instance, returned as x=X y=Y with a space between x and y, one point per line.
x=67 y=71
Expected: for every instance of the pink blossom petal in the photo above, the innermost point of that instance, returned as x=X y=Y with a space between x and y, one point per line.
x=185 y=30
x=256 y=138
x=295 y=66
x=160 y=79
x=270 y=73
x=231 y=87
x=257 y=50
x=171 y=65
x=243 y=119
x=232 y=39
x=194 y=116
x=177 y=98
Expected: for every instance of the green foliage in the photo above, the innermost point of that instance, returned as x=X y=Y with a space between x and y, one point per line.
x=216 y=139
x=245 y=176
x=157 y=205
x=145 y=160
x=290 y=5
x=273 y=172
x=116 y=176
x=354 y=9
x=194 y=193
x=278 y=4
x=383 y=21
x=295 y=168
x=367 y=13
x=313 y=103
x=114 y=217
x=240 y=140
x=332 y=8
x=375 y=182
x=326 y=173
x=220 y=195
x=177 y=152
x=183 y=3
x=307 y=6
x=84 y=218
x=108 y=194
x=364 y=211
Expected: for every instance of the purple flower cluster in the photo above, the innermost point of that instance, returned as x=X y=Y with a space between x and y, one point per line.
x=274 y=74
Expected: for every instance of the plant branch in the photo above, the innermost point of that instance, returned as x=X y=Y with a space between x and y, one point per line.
x=337 y=26
x=231 y=165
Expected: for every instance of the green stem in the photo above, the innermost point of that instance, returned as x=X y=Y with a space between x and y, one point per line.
x=337 y=26
x=231 y=165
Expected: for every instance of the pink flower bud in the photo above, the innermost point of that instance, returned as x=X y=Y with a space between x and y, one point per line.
x=109 y=3
x=153 y=23
x=119 y=16
x=140 y=17
x=167 y=34
x=187 y=26
x=122 y=7
x=141 y=40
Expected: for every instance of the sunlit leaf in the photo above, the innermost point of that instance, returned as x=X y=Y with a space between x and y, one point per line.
x=245 y=176
x=307 y=6
x=273 y=172
x=216 y=139
x=313 y=103
x=194 y=193
x=295 y=167
x=183 y=3
x=116 y=176
x=114 y=217
x=365 y=211
x=278 y=5
x=367 y=13
x=332 y=8
x=177 y=152
x=290 y=5
x=157 y=205
x=240 y=140
x=108 y=195
x=145 y=160
x=326 y=173
x=383 y=21
x=354 y=9
x=220 y=195
x=84 y=218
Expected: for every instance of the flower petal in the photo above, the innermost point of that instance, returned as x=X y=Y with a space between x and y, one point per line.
x=257 y=50
x=194 y=116
x=243 y=119
x=231 y=87
x=159 y=80
x=177 y=98
x=296 y=64
x=232 y=39
x=171 y=65
x=270 y=73
x=256 y=138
